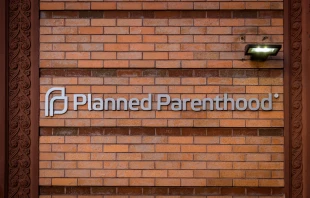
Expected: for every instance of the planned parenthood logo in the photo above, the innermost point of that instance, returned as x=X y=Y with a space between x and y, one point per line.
x=49 y=104
x=218 y=103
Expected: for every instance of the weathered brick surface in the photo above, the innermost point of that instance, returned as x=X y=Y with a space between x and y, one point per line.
x=236 y=83
x=151 y=5
x=187 y=49
x=200 y=160
x=118 y=43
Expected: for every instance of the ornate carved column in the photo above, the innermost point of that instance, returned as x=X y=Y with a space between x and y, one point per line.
x=22 y=96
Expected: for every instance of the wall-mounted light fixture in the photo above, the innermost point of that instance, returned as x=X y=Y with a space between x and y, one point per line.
x=260 y=52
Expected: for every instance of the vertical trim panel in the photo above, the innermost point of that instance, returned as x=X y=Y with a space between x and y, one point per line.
x=3 y=98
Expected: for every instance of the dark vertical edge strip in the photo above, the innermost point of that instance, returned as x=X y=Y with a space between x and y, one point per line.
x=287 y=102
x=294 y=143
x=3 y=98
x=306 y=94
x=35 y=98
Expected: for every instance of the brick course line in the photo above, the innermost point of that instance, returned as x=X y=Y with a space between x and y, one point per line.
x=266 y=14
x=231 y=73
x=134 y=131
x=138 y=190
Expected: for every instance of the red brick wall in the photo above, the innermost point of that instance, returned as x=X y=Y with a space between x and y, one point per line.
x=185 y=49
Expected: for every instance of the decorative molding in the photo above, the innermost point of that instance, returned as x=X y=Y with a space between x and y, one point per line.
x=296 y=98
x=19 y=73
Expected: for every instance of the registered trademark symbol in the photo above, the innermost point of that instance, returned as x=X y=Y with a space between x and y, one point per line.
x=276 y=95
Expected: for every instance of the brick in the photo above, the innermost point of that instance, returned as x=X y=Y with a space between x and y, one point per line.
x=155 y=22
x=129 y=173
x=129 y=38
x=193 y=148
x=232 y=157
x=167 y=47
x=193 y=30
x=168 y=64
x=154 y=38
x=219 y=165
x=77 y=173
x=103 y=5
x=154 y=6
x=88 y=165
x=232 y=174
x=115 y=182
x=51 y=139
x=180 y=173
x=141 y=148
x=245 y=165
x=77 y=55
x=155 y=55
x=206 y=5
x=232 y=140
x=129 y=55
x=116 y=30
x=206 y=173
x=52 y=38
x=115 y=165
x=64 y=181
x=206 y=22
x=193 y=182
x=181 y=22
x=154 y=173
x=218 y=47
x=270 y=165
x=192 y=47
x=219 y=182
x=154 y=156
x=103 y=38
x=219 y=148
x=257 y=5
x=167 y=30
x=89 y=148
x=258 y=174
x=115 y=148
x=51 y=173
x=180 y=140
x=206 y=38
x=115 y=64
x=167 y=148
x=180 y=5
x=51 y=156
x=77 y=156
x=77 y=6
x=193 y=165
x=246 y=182
x=141 y=64
x=129 y=5
x=90 y=64
x=206 y=55
x=52 y=22
x=167 y=182
x=77 y=22
x=141 y=165
x=52 y=6
x=116 y=47
x=180 y=38
x=77 y=38
x=141 y=182
x=271 y=182
x=103 y=173
x=142 y=30
x=167 y=165
x=90 y=181
x=232 y=5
